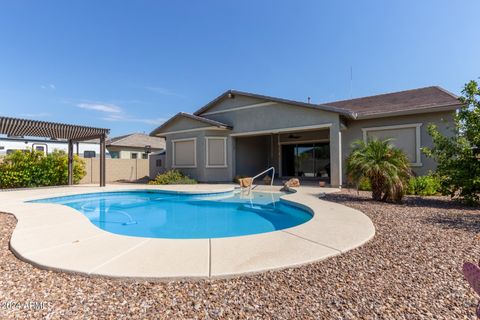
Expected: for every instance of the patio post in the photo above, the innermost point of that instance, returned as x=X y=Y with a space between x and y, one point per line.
x=335 y=155
x=70 y=162
x=102 y=161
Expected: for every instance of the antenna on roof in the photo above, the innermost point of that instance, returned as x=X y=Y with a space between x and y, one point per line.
x=351 y=81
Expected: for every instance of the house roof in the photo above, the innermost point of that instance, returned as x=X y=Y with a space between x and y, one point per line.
x=403 y=102
x=268 y=98
x=421 y=100
x=193 y=117
x=136 y=140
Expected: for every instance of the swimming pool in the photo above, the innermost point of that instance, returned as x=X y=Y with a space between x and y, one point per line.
x=159 y=214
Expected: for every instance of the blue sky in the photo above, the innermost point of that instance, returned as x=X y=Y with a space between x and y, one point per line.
x=129 y=65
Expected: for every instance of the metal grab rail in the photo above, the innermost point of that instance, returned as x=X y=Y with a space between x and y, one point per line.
x=260 y=174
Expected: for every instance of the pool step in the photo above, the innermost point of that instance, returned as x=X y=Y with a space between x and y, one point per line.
x=258 y=208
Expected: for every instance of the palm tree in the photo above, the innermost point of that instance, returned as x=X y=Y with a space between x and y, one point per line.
x=385 y=166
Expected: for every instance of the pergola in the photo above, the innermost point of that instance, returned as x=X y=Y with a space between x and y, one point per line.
x=72 y=133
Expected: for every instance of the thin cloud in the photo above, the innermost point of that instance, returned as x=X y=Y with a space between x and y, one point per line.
x=114 y=113
x=35 y=115
x=165 y=91
x=108 y=108
x=126 y=118
x=49 y=86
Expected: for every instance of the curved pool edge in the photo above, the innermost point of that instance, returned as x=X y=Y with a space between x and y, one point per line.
x=55 y=237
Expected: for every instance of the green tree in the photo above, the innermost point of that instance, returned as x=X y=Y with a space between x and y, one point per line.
x=386 y=168
x=457 y=167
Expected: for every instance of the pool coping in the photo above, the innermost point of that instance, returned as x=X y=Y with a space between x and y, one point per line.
x=57 y=237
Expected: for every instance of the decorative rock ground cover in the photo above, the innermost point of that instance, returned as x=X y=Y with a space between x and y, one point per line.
x=411 y=269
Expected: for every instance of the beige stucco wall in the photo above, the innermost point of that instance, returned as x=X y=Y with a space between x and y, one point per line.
x=442 y=119
x=116 y=170
x=201 y=172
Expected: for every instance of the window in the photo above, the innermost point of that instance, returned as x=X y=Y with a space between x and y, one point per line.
x=115 y=154
x=405 y=137
x=216 y=152
x=40 y=148
x=184 y=153
x=158 y=163
x=133 y=155
x=89 y=154
x=306 y=159
x=144 y=155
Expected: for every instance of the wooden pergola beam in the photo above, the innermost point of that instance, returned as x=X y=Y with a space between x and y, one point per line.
x=70 y=162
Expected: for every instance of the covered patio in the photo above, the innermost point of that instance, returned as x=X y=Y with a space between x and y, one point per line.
x=304 y=154
x=72 y=133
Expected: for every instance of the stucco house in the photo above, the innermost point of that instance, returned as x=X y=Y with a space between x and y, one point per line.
x=134 y=146
x=241 y=133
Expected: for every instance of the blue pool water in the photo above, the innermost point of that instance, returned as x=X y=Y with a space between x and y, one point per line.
x=155 y=214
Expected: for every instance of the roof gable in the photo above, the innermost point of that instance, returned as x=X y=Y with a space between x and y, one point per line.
x=195 y=122
x=231 y=94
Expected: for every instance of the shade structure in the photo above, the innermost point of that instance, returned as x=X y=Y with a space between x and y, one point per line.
x=72 y=133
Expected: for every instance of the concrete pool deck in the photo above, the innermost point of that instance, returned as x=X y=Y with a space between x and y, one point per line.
x=57 y=237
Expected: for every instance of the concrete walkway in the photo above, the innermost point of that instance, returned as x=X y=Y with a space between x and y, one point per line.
x=61 y=238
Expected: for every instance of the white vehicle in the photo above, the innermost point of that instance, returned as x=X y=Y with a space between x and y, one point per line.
x=87 y=149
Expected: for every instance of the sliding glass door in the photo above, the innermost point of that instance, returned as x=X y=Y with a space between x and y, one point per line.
x=306 y=160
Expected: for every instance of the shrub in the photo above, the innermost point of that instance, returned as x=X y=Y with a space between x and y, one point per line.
x=364 y=185
x=32 y=169
x=173 y=177
x=458 y=169
x=424 y=185
x=386 y=168
x=55 y=168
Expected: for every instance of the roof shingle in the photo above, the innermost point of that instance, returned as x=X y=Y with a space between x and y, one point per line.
x=402 y=101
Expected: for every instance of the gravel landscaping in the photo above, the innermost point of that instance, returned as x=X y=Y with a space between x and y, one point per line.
x=411 y=270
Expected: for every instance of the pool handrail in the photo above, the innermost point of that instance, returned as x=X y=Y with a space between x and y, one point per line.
x=260 y=174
